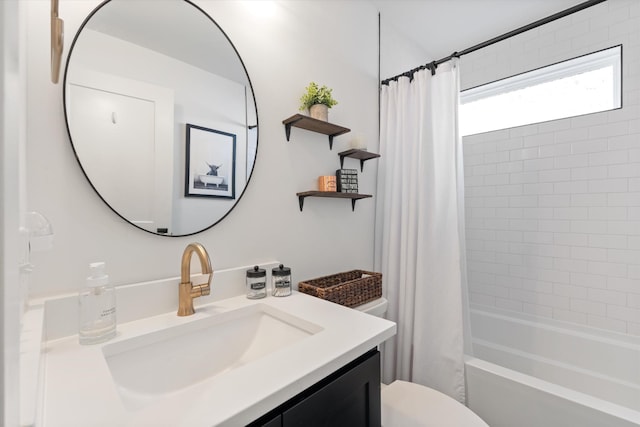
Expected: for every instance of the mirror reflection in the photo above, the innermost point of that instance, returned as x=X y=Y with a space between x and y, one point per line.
x=161 y=114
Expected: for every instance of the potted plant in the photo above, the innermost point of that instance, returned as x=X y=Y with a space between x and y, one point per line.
x=317 y=100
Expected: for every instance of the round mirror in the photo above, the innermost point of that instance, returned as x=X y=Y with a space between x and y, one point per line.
x=161 y=114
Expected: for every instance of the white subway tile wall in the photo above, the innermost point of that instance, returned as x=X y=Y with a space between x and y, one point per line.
x=553 y=209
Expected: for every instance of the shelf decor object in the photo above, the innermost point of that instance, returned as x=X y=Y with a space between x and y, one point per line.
x=327 y=183
x=350 y=288
x=353 y=196
x=362 y=155
x=308 y=123
x=317 y=100
x=347 y=180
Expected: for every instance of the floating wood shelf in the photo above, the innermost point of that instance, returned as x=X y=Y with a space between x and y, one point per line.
x=314 y=125
x=362 y=155
x=353 y=196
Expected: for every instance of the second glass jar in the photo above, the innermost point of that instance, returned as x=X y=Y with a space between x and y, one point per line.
x=281 y=281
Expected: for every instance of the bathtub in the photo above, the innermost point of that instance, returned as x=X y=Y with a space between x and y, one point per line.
x=532 y=372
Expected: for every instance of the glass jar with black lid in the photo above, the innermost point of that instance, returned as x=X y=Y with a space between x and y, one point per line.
x=281 y=280
x=256 y=283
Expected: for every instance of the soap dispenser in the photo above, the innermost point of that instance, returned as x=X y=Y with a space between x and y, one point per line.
x=97 y=322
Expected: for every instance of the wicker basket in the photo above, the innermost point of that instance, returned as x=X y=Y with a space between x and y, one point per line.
x=349 y=288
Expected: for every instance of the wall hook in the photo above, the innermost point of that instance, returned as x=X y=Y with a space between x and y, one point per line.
x=57 y=41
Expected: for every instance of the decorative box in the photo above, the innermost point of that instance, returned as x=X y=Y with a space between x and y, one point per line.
x=327 y=183
x=347 y=180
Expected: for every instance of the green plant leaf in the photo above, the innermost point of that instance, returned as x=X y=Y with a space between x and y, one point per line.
x=315 y=94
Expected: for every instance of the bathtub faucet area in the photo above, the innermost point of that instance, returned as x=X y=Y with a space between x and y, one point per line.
x=187 y=291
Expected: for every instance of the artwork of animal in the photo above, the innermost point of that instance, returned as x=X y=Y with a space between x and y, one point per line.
x=213 y=169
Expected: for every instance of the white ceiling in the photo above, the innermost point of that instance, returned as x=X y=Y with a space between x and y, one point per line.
x=442 y=27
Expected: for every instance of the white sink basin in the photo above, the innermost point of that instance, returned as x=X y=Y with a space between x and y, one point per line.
x=150 y=366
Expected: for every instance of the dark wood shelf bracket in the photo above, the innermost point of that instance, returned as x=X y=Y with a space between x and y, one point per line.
x=331 y=142
x=301 y=201
x=287 y=130
x=355 y=153
x=331 y=194
x=331 y=130
x=314 y=125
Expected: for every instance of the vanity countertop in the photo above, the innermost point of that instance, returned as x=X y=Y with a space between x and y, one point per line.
x=78 y=389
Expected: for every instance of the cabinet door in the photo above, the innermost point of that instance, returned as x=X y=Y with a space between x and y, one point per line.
x=350 y=400
x=274 y=422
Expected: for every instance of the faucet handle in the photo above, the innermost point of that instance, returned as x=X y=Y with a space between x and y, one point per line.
x=198 y=277
x=200 y=290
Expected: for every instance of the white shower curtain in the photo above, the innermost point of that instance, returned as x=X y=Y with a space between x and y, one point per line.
x=419 y=240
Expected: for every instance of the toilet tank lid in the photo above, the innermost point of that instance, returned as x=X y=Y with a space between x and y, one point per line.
x=377 y=307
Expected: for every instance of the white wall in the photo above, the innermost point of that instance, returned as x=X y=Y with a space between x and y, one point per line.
x=283 y=48
x=398 y=53
x=553 y=209
x=12 y=126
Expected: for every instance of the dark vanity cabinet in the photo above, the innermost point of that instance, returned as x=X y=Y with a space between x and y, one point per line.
x=350 y=397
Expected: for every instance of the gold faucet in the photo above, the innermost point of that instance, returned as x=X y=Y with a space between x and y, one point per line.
x=187 y=291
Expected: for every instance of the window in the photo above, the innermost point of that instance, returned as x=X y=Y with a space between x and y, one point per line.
x=583 y=85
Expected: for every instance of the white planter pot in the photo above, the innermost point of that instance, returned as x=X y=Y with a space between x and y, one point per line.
x=319 y=111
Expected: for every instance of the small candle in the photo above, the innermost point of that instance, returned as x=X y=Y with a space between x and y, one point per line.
x=358 y=142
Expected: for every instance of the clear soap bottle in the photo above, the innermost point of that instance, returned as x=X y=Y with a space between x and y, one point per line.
x=97 y=311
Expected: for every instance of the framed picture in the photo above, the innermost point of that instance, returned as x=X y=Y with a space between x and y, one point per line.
x=210 y=163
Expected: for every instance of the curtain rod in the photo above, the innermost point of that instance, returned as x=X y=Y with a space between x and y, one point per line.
x=434 y=64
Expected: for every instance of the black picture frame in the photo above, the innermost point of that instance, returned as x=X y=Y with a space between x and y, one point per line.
x=210 y=163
